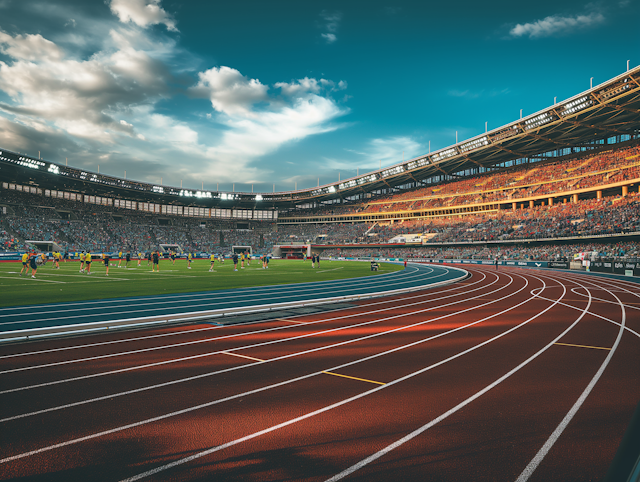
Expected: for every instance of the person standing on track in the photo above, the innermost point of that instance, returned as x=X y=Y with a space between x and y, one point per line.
x=495 y=262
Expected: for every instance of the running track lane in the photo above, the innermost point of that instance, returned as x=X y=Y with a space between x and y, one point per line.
x=13 y=320
x=473 y=390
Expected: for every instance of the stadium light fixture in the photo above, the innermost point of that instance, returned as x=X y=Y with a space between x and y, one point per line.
x=577 y=105
x=474 y=144
x=258 y=197
x=366 y=179
x=392 y=171
x=53 y=169
x=158 y=189
x=438 y=156
x=615 y=90
x=332 y=189
x=538 y=121
x=347 y=184
x=417 y=163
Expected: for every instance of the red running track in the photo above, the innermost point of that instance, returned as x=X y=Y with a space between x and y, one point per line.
x=511 y=375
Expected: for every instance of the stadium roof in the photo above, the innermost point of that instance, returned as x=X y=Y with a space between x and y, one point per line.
x=606 y=110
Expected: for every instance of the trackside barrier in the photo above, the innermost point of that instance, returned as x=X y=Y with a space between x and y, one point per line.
x=83 y=328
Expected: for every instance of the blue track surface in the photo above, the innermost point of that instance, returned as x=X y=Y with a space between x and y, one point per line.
x=88 y=313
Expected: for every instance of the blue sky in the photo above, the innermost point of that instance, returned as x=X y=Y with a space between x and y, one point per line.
x=287 y=93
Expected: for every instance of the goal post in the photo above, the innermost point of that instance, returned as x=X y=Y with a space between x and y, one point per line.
x=241 y=249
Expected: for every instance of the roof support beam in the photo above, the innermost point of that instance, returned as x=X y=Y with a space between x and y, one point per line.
x=598 y=128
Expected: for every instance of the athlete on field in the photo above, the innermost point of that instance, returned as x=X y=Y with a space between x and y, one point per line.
x=87 y=261
x=25 y=263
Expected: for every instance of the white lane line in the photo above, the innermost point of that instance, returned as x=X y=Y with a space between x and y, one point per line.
x=124 y=340
x=208 y=340
x=462 y=404
x=29 y=278
x=356 y=397
x=544 y=450
x=196 y=377
x=332 y=269
x=335 y=368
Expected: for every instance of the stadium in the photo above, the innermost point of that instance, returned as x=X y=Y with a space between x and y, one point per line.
x=496 y=340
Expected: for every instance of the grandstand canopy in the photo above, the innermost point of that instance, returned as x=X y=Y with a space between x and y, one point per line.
x=585 y=121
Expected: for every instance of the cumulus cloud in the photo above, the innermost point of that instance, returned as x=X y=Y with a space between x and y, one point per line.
x=556 y=24
x=81 y=97
x=330 y=23
x=229 y=91
x=258 y=123
x=28 y=47
x=142 y=12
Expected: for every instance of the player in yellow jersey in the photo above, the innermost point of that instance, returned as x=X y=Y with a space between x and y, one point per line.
x=25 y=263
x=119 y=258
x=213 y=260
x=82 y=258
x=87 y=261
x=189 y=261
x=241 y=260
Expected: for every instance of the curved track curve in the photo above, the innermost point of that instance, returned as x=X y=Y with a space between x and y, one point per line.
x=508 y=375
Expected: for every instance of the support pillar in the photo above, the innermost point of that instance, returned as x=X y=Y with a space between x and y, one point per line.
x=550 y=201
x=530 y=204
x=625 y=190
x=514 y=206
x=575 y=199
x=599 y=194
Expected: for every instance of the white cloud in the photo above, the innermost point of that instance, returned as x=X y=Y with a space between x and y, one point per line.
x=229 y=91
x=258 y=124
x=82 y=97
x=556 y=25
x=28 y=47
x=142 y=12
x=301 y=86
x=330 y=24
x=329 y=37
x=382 y=151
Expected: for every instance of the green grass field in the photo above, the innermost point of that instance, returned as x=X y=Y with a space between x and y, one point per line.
x=67 y=284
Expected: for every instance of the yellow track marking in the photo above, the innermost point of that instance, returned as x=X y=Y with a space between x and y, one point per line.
x=583 y=346
x=241 y=356
x=353 y=378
